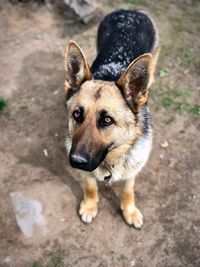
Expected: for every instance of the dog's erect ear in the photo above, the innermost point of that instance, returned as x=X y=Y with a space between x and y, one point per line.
x=136 y=80
x=77 y=70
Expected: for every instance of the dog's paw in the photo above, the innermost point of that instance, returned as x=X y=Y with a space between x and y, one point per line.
x=87 y=212
x=133 y=217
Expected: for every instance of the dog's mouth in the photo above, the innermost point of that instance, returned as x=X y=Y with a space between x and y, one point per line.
x=108 y=177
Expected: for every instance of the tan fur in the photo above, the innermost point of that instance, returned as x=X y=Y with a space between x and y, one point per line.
x=131 y=214
x=92 y=106
x=90 y=193
x=88 y=206
x=127 y=198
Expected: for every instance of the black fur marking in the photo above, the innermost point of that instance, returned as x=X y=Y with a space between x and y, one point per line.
x=70 y=94
x=122 y=36
x=138 y=80
x=74 y=89
x=73 y=69
x=74 y=65
x=80 y=111
x=97 y=94
x=100 y=121
x=146 y=120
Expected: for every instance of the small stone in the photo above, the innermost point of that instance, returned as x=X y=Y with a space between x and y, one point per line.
x=45 y=152
x=28 y=213
x=77 y=245
x=172 y=163
x=195 y=228
x=7 y=259
x=55 y=92
x=86 y=10
x=164 y=144
x=56 y=134
x=17 y=42
x=38 y=37
x=62 y=219
x=132 y=263
x=161 y=156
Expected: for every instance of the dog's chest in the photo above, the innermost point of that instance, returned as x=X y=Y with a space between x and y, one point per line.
x=129 y=165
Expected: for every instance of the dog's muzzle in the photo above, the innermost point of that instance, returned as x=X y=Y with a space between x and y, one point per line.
x=81 y=161
x=84 y=161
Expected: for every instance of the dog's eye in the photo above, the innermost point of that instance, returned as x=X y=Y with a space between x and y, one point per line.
x=106 y=121
x=78 y=115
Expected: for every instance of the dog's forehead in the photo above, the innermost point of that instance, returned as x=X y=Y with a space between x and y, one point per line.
x=101 y=92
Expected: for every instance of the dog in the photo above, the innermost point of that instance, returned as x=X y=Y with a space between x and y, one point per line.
x=109 y=130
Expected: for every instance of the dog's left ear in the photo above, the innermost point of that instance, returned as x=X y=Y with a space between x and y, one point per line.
x=136 y=80
x=77 y=69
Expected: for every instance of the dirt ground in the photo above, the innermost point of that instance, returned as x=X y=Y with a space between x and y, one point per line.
x=32 y=43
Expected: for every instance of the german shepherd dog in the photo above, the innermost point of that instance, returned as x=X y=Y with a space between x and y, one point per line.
x=109 y=130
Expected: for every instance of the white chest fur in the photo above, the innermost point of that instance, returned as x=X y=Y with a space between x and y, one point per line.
x=131 y=164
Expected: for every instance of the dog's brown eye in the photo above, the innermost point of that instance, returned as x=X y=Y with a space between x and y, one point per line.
x=105 y=121
x=78 y=115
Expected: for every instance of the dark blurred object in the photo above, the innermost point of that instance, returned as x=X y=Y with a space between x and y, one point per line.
x=85 y=9
x=26 y=1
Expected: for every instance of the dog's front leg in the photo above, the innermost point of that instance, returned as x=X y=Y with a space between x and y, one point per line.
x=88 y=208
x=131 y=214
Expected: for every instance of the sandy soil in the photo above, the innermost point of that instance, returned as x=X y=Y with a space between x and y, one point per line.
x=32 y=43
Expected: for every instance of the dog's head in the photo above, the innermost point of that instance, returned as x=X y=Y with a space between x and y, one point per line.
x=102 y=115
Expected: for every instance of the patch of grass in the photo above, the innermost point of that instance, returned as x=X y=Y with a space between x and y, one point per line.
x=131 y=3
x=3 y=103
x=169 y=120
x=23 y=108
x=121 y=257
x=188 y=58
x=36 y=264
x=56 y=261
x=169 y=101
x=163 y=73
x=187 y=15
x=177 y=101
x=192 y=109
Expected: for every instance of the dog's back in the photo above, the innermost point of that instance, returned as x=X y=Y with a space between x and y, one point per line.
x=122 y=36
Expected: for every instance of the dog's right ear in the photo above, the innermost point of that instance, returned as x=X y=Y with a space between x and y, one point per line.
x=77 y=70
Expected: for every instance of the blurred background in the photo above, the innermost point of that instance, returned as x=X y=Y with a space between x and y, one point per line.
x=35 y=179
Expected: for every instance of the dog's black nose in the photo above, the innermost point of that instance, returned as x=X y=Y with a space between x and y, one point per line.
x=79 y=161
